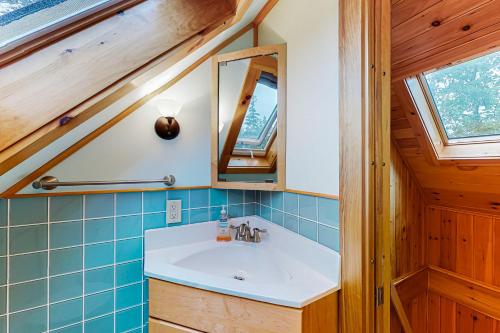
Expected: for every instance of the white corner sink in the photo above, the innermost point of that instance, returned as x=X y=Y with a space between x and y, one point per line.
x=284 y=269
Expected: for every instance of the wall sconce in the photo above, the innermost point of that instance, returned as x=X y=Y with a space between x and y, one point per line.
x=166 y=127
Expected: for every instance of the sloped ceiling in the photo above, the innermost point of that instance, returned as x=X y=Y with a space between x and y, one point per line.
x=427 y=35
x=180 y=65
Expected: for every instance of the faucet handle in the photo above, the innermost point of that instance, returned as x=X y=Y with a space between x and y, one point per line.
x=256 y=234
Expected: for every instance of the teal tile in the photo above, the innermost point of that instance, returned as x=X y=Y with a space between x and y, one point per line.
x=65 y=313
x=235 y=211
x=28 y=267
x=128 y=226
x=265 y=198
x=27 y=295
x=265 y=212
x=129 y=273
x=3 y=324
x=198 y=215
x=235 y=197
x=3 y=271
x=329 y=237
x=28 y=211
x=155 y=220
x=250 y=196
x=308 y=229
x=182 y=195
x=3 y=241
x=66 y=208
x=97 y=255
x=65 y=286
x=249 y=209
x=145 y=290
x=66 y=234
x=218 y=197
x=215 y=213
x=198 y=198
x=291 y=222
x=30 y=321
x=3 y=212
x=99 y=205
x=3 y=300
x=328 y=211
x=291 y=203
x=100 y=230
x=28 y=239
x=145 y=313
x=129 y=249
x=277 y=217
x=155 y=201
x=99 y=304
x=128 y=203
x=307 y=207
x=277 y=200
x=99 y=279
x=128 y=319
x=100 y=325
x=128 y=296
x=66 y=260
x=77 y=328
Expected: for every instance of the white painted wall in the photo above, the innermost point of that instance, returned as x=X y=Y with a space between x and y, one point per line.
x=310 y=29
x=132 y=150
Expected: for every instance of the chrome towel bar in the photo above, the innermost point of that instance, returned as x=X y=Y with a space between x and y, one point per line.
x=50 y=182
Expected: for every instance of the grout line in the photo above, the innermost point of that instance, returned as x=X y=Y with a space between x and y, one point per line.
x=114 y=263
x=7 y=307
x=84 y=205
x=48 y=263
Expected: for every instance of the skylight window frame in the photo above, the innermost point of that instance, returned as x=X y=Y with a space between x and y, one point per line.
x=270 y=125
x=52 y=33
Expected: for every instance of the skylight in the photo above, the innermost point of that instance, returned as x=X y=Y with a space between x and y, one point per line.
x=466 y=98
x=20 y=19
x=260 y=118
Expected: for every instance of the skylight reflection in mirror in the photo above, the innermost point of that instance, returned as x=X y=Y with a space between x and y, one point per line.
x=467 y=97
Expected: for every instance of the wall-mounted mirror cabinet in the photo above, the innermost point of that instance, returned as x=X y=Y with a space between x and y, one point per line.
x=248 y=119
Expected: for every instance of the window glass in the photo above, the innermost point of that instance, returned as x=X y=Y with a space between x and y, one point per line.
x=22 y=18
x=467 y=97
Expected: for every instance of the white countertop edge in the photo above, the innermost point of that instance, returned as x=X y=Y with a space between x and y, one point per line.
x=255 y=297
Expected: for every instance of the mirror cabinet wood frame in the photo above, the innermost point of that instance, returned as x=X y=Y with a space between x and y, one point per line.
x=280 y=50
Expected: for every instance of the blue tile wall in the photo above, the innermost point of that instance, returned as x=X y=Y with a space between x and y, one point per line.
x=316 y=218
x=75 y=263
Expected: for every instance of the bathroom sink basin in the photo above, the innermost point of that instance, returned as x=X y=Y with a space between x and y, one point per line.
x=284 y=268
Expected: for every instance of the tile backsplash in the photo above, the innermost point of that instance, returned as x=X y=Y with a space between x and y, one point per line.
x=74 y=263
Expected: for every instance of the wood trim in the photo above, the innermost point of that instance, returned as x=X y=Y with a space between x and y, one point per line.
x=280 y=50
x=52 y=34
x=412 y=284
x=28 y=146
x=108 y=191
x=466 y=291
x=360 y=150
x=399 y=308
x=263 y=12
x=160 y=326
x=106 y=126
x=314 y=194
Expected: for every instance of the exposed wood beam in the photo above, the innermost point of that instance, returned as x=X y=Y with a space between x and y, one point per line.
x=264 y=11
x=28 y=145
x=103 y=128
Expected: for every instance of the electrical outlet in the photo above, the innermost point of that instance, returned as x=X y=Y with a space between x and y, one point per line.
x=174 y=211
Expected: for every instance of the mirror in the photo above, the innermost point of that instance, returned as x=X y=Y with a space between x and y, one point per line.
x=248 y=119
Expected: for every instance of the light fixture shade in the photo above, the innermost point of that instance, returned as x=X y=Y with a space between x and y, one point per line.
x=167 y=107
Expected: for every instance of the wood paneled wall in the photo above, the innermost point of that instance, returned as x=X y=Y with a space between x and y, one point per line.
x=464 y=242
x=407 y=219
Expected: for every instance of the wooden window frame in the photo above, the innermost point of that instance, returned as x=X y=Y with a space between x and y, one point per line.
x=461 y=151
x=55 y=32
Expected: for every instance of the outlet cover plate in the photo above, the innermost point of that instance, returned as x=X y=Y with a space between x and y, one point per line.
x=174 y=211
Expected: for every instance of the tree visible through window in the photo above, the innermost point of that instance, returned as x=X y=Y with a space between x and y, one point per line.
x=467 y=97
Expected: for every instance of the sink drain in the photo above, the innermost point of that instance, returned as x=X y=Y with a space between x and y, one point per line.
x=240 y=275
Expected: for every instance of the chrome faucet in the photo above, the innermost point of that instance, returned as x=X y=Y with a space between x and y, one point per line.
x=244 y=233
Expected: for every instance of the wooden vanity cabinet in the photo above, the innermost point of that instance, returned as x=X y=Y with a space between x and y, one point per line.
x=176 y=308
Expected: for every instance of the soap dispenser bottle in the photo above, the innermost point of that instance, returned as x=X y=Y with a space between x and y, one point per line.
x=223 y=233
